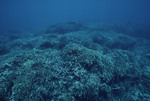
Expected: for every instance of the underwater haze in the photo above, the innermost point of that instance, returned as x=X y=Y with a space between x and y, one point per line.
x=74 y=50
x=39 y=13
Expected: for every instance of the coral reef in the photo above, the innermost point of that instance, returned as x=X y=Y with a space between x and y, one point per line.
x=75 y=62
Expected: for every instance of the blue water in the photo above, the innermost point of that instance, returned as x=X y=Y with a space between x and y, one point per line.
x=36 y=14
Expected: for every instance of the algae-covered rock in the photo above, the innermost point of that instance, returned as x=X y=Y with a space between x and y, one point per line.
x=78 y=37
x=90 y=60
x=86 y=57
x=104 y=90
x=125 y=63
x=87 y=90
x=114 y=40
x=3 y=48
x=65 y=28
x=133 y=94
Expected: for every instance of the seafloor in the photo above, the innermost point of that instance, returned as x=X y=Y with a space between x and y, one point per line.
x=76 y=62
